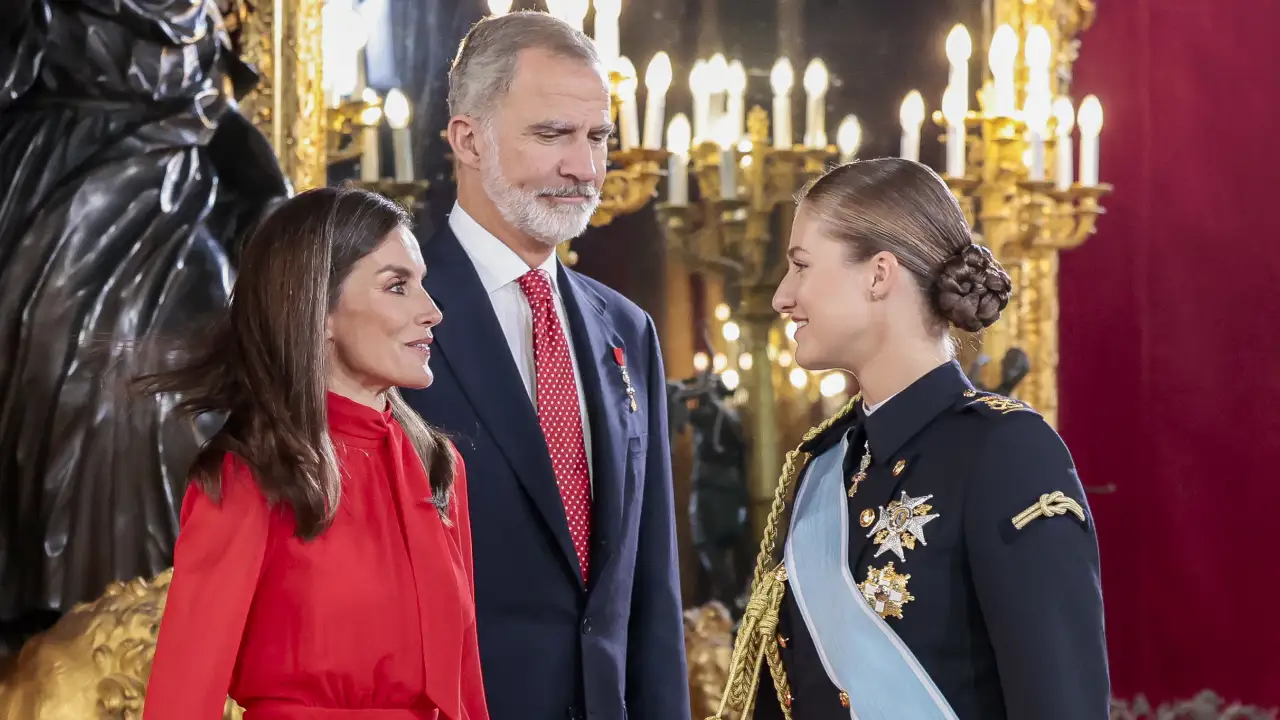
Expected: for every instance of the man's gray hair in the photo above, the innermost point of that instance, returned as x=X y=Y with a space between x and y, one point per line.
x=486 y=62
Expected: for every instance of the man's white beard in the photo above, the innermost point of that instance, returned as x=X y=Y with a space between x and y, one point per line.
x=529 y=212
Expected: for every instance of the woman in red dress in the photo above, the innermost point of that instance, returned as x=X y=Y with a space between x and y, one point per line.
x=323 y=568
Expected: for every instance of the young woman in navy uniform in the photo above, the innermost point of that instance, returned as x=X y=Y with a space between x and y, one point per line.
x=929 y=554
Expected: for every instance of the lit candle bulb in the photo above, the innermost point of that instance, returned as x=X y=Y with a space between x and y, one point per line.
x=700 y=87
x=782 y=77
x=1038 y=112
x=1064 y=114
x=556 y=8
x=848 y=138
x=606 y=29
x=1089 y=118
x=728 y=160
x=398 y=113
x=1038 y=53
x=370 y=150
x=679 y=137
x=959 y=50
x=718 y=82
x=628 y=115
x=575 y=11
x=1001 y=58
x=816 y=79
x=736 y=88
x=657 y=79
x=953 y=111
x=499 y=7
x=911 y=116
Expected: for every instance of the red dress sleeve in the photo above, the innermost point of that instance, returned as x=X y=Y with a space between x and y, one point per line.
x=473 y=702
x=217 y=563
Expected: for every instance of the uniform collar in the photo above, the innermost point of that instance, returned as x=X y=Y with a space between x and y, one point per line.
x=496 y=264
x=907 y=413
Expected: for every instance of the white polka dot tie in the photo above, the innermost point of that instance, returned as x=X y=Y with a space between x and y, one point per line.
x=559 y=413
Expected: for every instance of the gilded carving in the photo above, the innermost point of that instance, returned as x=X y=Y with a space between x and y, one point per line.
x=288 y=105
x=95 y=662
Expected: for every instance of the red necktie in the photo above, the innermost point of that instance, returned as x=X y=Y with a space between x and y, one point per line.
x=558 y=411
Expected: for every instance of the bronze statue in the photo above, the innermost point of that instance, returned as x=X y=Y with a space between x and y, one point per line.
x=126 y=176
x=718 y=502
x=1013 y=368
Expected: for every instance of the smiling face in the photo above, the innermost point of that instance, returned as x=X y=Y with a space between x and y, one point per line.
x=829 y=298
x=379 y=328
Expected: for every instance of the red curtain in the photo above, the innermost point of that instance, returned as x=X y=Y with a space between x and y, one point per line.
x=1170 y=345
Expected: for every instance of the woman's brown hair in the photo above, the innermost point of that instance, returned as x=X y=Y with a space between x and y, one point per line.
x=904 y=208
x=263 y=365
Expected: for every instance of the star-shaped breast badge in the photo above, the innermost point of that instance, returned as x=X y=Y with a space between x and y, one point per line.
x=901 y=524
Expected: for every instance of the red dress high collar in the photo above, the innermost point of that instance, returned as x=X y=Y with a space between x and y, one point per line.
x=356 y=420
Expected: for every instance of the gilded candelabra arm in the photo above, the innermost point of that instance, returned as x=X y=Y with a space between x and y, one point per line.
x=706 y=158
x=694 y=231
x=1063 y=219
x=732 y=219
x=344 y=124
x=631 y=185
x=1083 y=202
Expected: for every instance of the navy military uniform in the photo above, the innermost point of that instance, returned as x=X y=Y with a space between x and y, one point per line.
x=1005 y=617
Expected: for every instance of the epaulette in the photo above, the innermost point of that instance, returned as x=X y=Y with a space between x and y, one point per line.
x=989 y=403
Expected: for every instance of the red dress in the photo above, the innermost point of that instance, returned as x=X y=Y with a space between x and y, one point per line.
x=374 y=619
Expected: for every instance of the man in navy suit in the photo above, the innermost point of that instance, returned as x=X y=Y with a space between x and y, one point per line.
x=553 y=388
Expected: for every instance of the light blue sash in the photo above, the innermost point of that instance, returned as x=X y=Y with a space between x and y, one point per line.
x=862 y=655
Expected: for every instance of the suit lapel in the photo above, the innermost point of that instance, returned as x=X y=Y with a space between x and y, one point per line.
x=476 y=350
x=606 y=400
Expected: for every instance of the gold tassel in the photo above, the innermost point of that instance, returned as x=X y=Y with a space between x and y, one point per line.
x=756 y=641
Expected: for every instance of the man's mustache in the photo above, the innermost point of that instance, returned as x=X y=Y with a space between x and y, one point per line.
x=586 y=191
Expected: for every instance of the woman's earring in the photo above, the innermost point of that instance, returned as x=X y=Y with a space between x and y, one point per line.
x=874 y=296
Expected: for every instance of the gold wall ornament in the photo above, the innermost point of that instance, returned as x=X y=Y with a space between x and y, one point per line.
x=282 y=39
x=95 y=662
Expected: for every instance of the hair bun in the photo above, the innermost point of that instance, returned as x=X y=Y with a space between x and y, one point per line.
x=972 y=288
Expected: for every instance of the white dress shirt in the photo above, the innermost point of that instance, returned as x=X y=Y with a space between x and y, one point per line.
x=500 y=268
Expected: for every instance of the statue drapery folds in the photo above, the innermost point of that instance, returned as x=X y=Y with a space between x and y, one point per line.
x=126 y=176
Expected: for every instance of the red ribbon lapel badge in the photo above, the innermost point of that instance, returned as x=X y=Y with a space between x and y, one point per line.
x=621 y=359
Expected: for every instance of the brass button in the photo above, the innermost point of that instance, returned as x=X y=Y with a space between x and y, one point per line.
x=782 y=642
x=970 y=393
x=787 y=700
x=844 y=698
x=899 y=467
x=867 y=518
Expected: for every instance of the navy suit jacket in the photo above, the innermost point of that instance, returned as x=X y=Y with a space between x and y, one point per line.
x=551 y=647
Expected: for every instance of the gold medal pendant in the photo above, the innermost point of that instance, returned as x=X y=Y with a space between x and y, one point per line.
x=861 y=475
